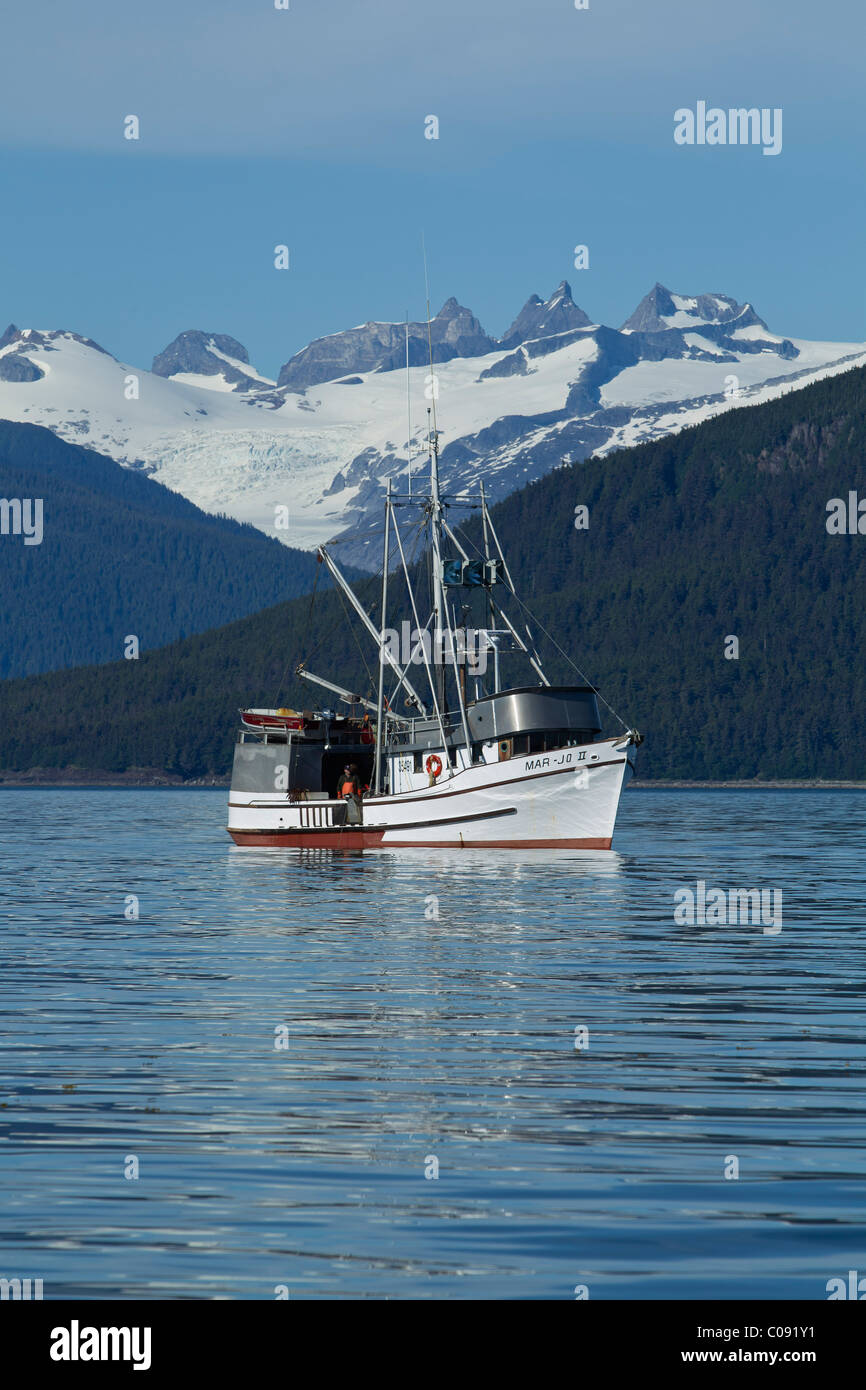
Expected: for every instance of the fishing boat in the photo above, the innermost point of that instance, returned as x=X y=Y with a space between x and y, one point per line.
x=444 y=752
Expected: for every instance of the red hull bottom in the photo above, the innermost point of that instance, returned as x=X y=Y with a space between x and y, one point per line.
x=372 y=839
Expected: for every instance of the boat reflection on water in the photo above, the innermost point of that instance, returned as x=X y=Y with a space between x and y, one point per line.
x=476 y=862
x=443 y=889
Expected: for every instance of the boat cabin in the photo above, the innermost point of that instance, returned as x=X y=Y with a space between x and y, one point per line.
x=304 y=754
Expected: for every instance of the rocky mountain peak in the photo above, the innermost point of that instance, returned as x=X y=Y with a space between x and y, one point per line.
x=197 y=352
x=662 y=309
x=542 y=318
x=17 y=366
x=381 y=347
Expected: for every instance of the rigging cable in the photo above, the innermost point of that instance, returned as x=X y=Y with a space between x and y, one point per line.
x=319 y=562
x=371 y=685
x=538 y=623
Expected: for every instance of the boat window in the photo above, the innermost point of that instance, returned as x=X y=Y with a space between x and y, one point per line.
x=548 y=740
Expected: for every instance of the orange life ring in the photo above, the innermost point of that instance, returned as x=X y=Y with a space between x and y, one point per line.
x=433 y=765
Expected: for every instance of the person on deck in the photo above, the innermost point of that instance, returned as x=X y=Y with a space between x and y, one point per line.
x=350 y=783
x=350 y=792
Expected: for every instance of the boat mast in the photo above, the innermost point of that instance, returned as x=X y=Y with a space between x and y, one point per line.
x=490 y=617
x=441 y=616
x=380 y=704
x=436 y=707
x=442 y=621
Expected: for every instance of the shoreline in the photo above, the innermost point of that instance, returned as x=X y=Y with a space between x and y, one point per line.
x=80 y=779
x=750 y=784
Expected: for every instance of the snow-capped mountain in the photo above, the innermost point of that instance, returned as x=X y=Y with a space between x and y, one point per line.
x=660 y=310
x=200 y=359
x=381 y=347
x=539 y=318
x=325 y=437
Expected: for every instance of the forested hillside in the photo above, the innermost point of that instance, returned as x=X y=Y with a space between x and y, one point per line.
x=715 y=533
x=119 y=555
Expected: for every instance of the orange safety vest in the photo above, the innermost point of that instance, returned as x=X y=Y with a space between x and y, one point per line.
x=349 y=787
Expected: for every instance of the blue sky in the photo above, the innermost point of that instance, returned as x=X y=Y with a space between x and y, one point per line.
x=306 y=127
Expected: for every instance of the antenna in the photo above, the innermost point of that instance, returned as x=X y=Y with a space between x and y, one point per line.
x=442 y=620
x=426 y=281
x=408 y=404
x=440 y=601
x=430 y=354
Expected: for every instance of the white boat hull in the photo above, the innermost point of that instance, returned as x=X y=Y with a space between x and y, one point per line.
x=566 y=798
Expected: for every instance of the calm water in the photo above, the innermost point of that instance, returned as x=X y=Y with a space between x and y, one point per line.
x=412 y=1039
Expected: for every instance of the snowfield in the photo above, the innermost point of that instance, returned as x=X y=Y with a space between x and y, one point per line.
x=326 y=452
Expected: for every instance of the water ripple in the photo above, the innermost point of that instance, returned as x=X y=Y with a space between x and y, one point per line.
x=429 y=1002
